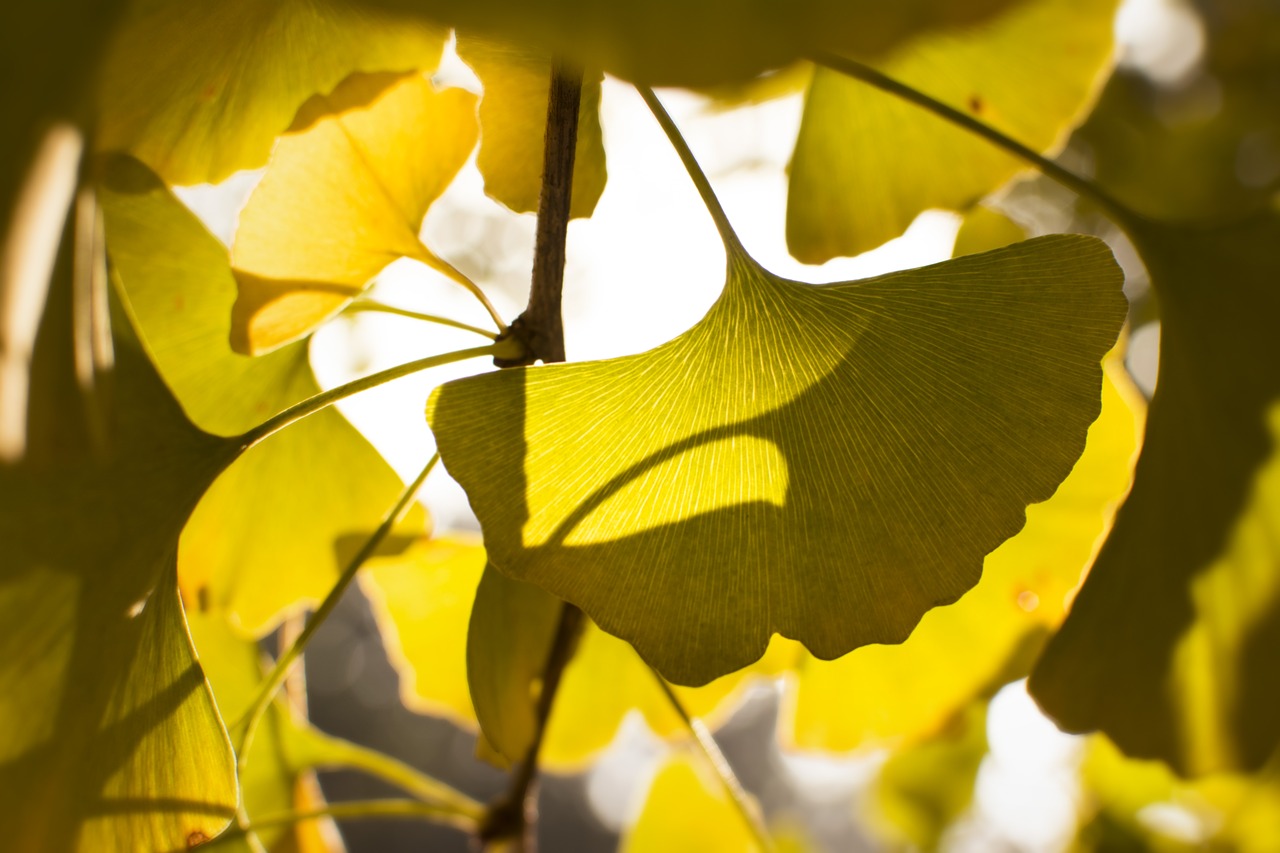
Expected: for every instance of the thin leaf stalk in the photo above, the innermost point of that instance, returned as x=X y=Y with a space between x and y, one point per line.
x=730 y=237
x=1078 y=184
x=424 y=788
x=351 y=810
x=365 y=305
x=248 y=724
x=456 y=275
x=706 y=742
x=323 y=400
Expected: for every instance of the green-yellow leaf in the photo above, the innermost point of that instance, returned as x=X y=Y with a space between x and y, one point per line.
x=199 y=90
x=688 y=811
x=109 y=740
x=344 y=195
x=423 y=602
x=957 y=653
x=277 y=526
x=1172 y=646
x=513 y=119
x=821 y=462
x=866 y=163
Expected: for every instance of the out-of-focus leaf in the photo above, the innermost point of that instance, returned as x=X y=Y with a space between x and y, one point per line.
x=277 y=526
x=922 y=789
x=344 y=195
x=669 y=42
x=984 y=229
x=109 y=740
x=822 y=462
x=866 y=162
x=199 y=90
x=1173 y=643
x=687 y=811
x=957 y=652
x=422 y=600
x=513 y=118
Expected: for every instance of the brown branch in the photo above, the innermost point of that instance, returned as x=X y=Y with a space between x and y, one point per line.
x=540 y=328
x=513 y=816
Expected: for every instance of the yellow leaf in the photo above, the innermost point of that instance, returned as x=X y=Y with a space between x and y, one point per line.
x=688 y=811
x=344 y=195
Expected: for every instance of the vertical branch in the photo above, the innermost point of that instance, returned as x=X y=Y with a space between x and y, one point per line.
x=513 y=817
x=540 y=327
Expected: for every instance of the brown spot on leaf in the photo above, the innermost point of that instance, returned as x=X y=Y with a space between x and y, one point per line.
x=196 y=838
x=975 y=104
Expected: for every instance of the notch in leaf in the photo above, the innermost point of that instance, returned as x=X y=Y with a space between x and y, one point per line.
x=822 y=462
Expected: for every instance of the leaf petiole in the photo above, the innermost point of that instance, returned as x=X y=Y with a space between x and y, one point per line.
x=456 y=275
x=351 y=810
x=1076 y=183
x=311 y=405
x=253 y=716
x=362 y=305
x=711 y=750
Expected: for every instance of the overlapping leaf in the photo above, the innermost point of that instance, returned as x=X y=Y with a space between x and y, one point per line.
x=668 y=42
x=109 y=739
x=1171 y=647
x=423 y=600
x=344 y=195
x=685 y=812
x=275 y=528
x=197 y=90
x=513 y=117
x=826 y=463
x=866 y=163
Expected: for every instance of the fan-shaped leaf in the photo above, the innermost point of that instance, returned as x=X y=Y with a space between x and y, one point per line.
x=199 y=90
x=109 y=739
x=513 y=117
x=826 y=463
x=275 y=528
x=866 y=163
x=1172 y=645
x=344 y=195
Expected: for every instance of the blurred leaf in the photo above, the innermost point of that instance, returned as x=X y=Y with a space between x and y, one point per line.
x=344 y=195
x=794 y=463
x=109 y=739
x=513 y=118
x=197 y=90
x=669 y=42
x=422 y=600
x=276 y=528
x=923 y=788
x=867 y=163
x=687 y=811
x=1172 y=645
x=984 y=229
x=958 y=652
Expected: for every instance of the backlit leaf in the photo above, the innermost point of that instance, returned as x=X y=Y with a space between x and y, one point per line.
x=866 y=162
x=277 y=526
x=1172 y=645
x=423 y=600
x=513 y=119
x=959 y=652
x=822 y=462
x=197 y=90
x=344 y=195
x=109 y=740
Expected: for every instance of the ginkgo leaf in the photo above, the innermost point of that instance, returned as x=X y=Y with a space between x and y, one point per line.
x=513 y=118
x=687 y=810
x=344 y=195
x=199 y=90
x=1172 y=645
x=276 y=527
x=423 y=601
x=822 y=462
x=669 y=42
x=866 y=162
x=959 y=652
x=109 y=740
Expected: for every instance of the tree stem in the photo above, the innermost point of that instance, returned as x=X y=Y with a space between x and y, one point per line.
x=541 y=327
x=513 y=817
x=1076 y=183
